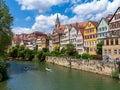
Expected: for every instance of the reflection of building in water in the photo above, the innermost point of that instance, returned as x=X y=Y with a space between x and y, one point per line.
x=111 y=48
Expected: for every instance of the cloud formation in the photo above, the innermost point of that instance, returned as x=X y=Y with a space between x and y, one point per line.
x=41 y=5
x=93 y=10
x=96 y=9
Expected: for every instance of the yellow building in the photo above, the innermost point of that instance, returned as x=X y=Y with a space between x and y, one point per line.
x=90 y=37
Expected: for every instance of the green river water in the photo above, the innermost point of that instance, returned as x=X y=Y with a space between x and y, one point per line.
x=31 y=76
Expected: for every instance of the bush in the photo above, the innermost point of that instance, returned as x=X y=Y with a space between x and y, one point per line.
x=115 y=73
x=41 y=56
x=70 y=50
x=3 y=70
x=63 y=51
x=86 y=56
x=29 y=54
x=77 y=56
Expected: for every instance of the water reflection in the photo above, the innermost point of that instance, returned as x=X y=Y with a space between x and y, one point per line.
x=35 y=77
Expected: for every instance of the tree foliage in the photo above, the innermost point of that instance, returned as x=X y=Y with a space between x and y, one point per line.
x=70 y=50
x=56 y=50
x=21 y=52
x=99 y=48
x=5 y=27
x=40 y=56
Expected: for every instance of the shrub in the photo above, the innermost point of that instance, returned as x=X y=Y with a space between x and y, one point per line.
x=86 y=56
x=41 y=56
x=70 y=50
x=3 y=70
x=115 y=73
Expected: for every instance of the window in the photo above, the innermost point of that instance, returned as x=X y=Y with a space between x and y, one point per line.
x=115 y=51
x=109 y=51
x=107 y=42
x=102 y=28
x=116 y=41
x=111 y=41
x=119 y=51
x=105 y=51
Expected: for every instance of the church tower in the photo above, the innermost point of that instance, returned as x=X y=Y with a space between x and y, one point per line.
x=57 y=22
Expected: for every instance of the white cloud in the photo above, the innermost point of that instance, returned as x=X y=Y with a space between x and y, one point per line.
x=43 y=24
x=46 y=23
x=96 y=9
x=93 y=10
x=41 y=5
x=19 y=30
x=28 y=18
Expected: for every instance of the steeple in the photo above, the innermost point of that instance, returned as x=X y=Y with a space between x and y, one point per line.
x=57 y=22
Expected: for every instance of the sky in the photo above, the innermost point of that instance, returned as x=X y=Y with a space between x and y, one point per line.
x=40 y=15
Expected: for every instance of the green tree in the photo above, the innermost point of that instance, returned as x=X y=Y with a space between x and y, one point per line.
x=13 y=52
x=29 y=54
x=40 y=56
x=45 y=50
x=63 y=51
x=99 y=48
x=5 y=27
x=56 y=50
x=70 y=50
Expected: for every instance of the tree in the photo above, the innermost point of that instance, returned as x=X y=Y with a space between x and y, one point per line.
x=70 y=50
x=5 y=27
x=99 y=48
x=29 y=54
x=63 y=51
x=40 y=56
x=56 y=50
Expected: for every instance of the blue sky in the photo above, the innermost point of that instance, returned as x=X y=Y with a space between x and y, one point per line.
x=40 y=15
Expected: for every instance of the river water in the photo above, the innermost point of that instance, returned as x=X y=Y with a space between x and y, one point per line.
x=34 y=76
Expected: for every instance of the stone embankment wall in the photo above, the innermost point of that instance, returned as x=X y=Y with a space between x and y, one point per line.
x=99 y=67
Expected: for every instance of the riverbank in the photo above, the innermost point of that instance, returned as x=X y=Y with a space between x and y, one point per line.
x=94 y=66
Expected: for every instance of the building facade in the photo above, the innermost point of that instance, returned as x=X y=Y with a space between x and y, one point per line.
x=114 y=24
x=102 y=30
x=111 y=48
x=73 y=35
x=65 y=37
x=90 y=37
x=58 y=30
x=80 y=37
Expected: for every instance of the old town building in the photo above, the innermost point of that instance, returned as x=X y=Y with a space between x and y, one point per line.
x=58 y=30
x=111 y=48
x=42 y=42
x=65 y=37
x=114 y=24
x=80 y=37
x=90 y=37
x=103 y=28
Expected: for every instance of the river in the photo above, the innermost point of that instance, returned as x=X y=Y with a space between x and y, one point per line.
x=33 y=76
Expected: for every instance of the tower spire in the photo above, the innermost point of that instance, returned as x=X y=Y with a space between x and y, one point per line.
x=57 y=22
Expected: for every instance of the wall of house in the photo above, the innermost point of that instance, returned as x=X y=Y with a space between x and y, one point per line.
x=102 y=30
x=99 y=67
x=73 y=35
x=65 y=37
x=79 y=43
x=90 y=42
x=111 y=50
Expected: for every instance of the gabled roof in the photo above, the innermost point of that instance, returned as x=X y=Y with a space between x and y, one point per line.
x=82 y=24
x=94 y=23
x=114 y=14
x=107 y=19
